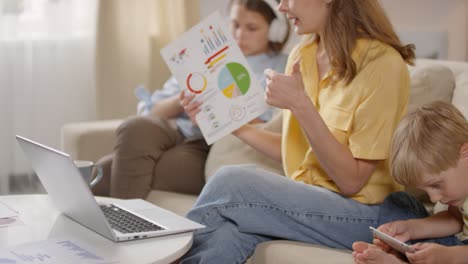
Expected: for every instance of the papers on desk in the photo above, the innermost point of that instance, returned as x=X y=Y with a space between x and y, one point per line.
x=52 y=251
x=6 y=211
x=8 y=216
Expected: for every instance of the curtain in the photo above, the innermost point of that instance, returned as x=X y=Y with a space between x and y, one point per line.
x=47 y=77
x=130 y=35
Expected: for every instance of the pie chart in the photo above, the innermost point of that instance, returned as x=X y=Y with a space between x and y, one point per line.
x=234 y=80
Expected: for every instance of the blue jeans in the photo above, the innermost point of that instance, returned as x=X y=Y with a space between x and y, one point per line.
x=242 y=206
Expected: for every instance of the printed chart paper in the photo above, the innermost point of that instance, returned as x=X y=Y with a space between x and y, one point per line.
x=54 y=251
x=207 y=62
x=8 y=216
x=6 y=211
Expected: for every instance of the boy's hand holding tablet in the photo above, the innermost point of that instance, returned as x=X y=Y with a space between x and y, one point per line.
x=392 y=242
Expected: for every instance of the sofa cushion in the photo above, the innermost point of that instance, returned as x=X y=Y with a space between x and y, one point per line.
x=230 y=151
x=460 y=71
x=176 y=202
x=460 y=94
x=429 y=83
x=282 y=251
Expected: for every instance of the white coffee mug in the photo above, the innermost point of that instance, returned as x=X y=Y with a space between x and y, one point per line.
x=86 y=170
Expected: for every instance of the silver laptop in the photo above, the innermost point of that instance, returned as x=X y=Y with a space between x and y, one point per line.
x=122 y=221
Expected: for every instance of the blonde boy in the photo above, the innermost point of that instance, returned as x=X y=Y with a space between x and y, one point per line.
x=429 y=151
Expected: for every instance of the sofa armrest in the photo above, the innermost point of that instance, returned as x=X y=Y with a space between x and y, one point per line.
x=89 y=140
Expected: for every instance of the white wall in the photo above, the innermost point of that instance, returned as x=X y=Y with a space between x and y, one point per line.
x=209 y=6
x=449 y=16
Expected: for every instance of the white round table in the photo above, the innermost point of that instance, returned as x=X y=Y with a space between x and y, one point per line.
x=42 y=221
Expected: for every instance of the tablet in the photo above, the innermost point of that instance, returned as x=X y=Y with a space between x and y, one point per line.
x=392 y=242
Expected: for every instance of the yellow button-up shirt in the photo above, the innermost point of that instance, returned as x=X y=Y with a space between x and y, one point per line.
x=361 y=115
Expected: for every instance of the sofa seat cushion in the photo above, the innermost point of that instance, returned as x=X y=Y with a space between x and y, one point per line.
x=176 y=202
x=282 y=251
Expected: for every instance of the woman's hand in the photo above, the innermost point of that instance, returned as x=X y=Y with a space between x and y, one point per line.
x=191 y=108
x=285 y=91
x=241 y=130
x=398 y=229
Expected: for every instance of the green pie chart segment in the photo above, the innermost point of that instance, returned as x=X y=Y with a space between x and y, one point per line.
x=234 y=80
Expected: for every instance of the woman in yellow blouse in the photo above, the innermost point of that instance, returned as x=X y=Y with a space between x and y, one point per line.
x=344 y=92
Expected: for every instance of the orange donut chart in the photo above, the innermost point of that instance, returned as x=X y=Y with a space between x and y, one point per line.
x=196 y=90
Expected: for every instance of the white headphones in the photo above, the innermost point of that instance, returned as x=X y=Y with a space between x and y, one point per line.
x=279 y=26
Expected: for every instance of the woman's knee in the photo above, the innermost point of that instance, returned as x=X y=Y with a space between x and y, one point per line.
x=136 y=125
x=143 y=132
x=189 y=178
x=225 y=186
x=232 y=177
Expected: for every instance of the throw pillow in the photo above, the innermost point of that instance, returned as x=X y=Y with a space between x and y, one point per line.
x=232 y=151
x=430 y=83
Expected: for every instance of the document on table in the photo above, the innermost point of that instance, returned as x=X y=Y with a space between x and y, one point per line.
x=6 y=211
x=8 y=216
x=52 y=251
x=207 y=62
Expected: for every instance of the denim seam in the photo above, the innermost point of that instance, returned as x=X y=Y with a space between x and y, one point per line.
x=286 y=211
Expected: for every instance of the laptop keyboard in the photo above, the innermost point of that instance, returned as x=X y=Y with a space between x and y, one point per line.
x=126 y=222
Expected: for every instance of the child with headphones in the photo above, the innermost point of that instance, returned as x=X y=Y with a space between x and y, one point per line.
x=150 y=147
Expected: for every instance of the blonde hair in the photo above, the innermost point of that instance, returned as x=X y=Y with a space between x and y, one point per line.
x=349 y=20
x=427 y=141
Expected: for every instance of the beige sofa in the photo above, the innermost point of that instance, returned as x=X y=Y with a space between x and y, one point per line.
x=430 y=80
